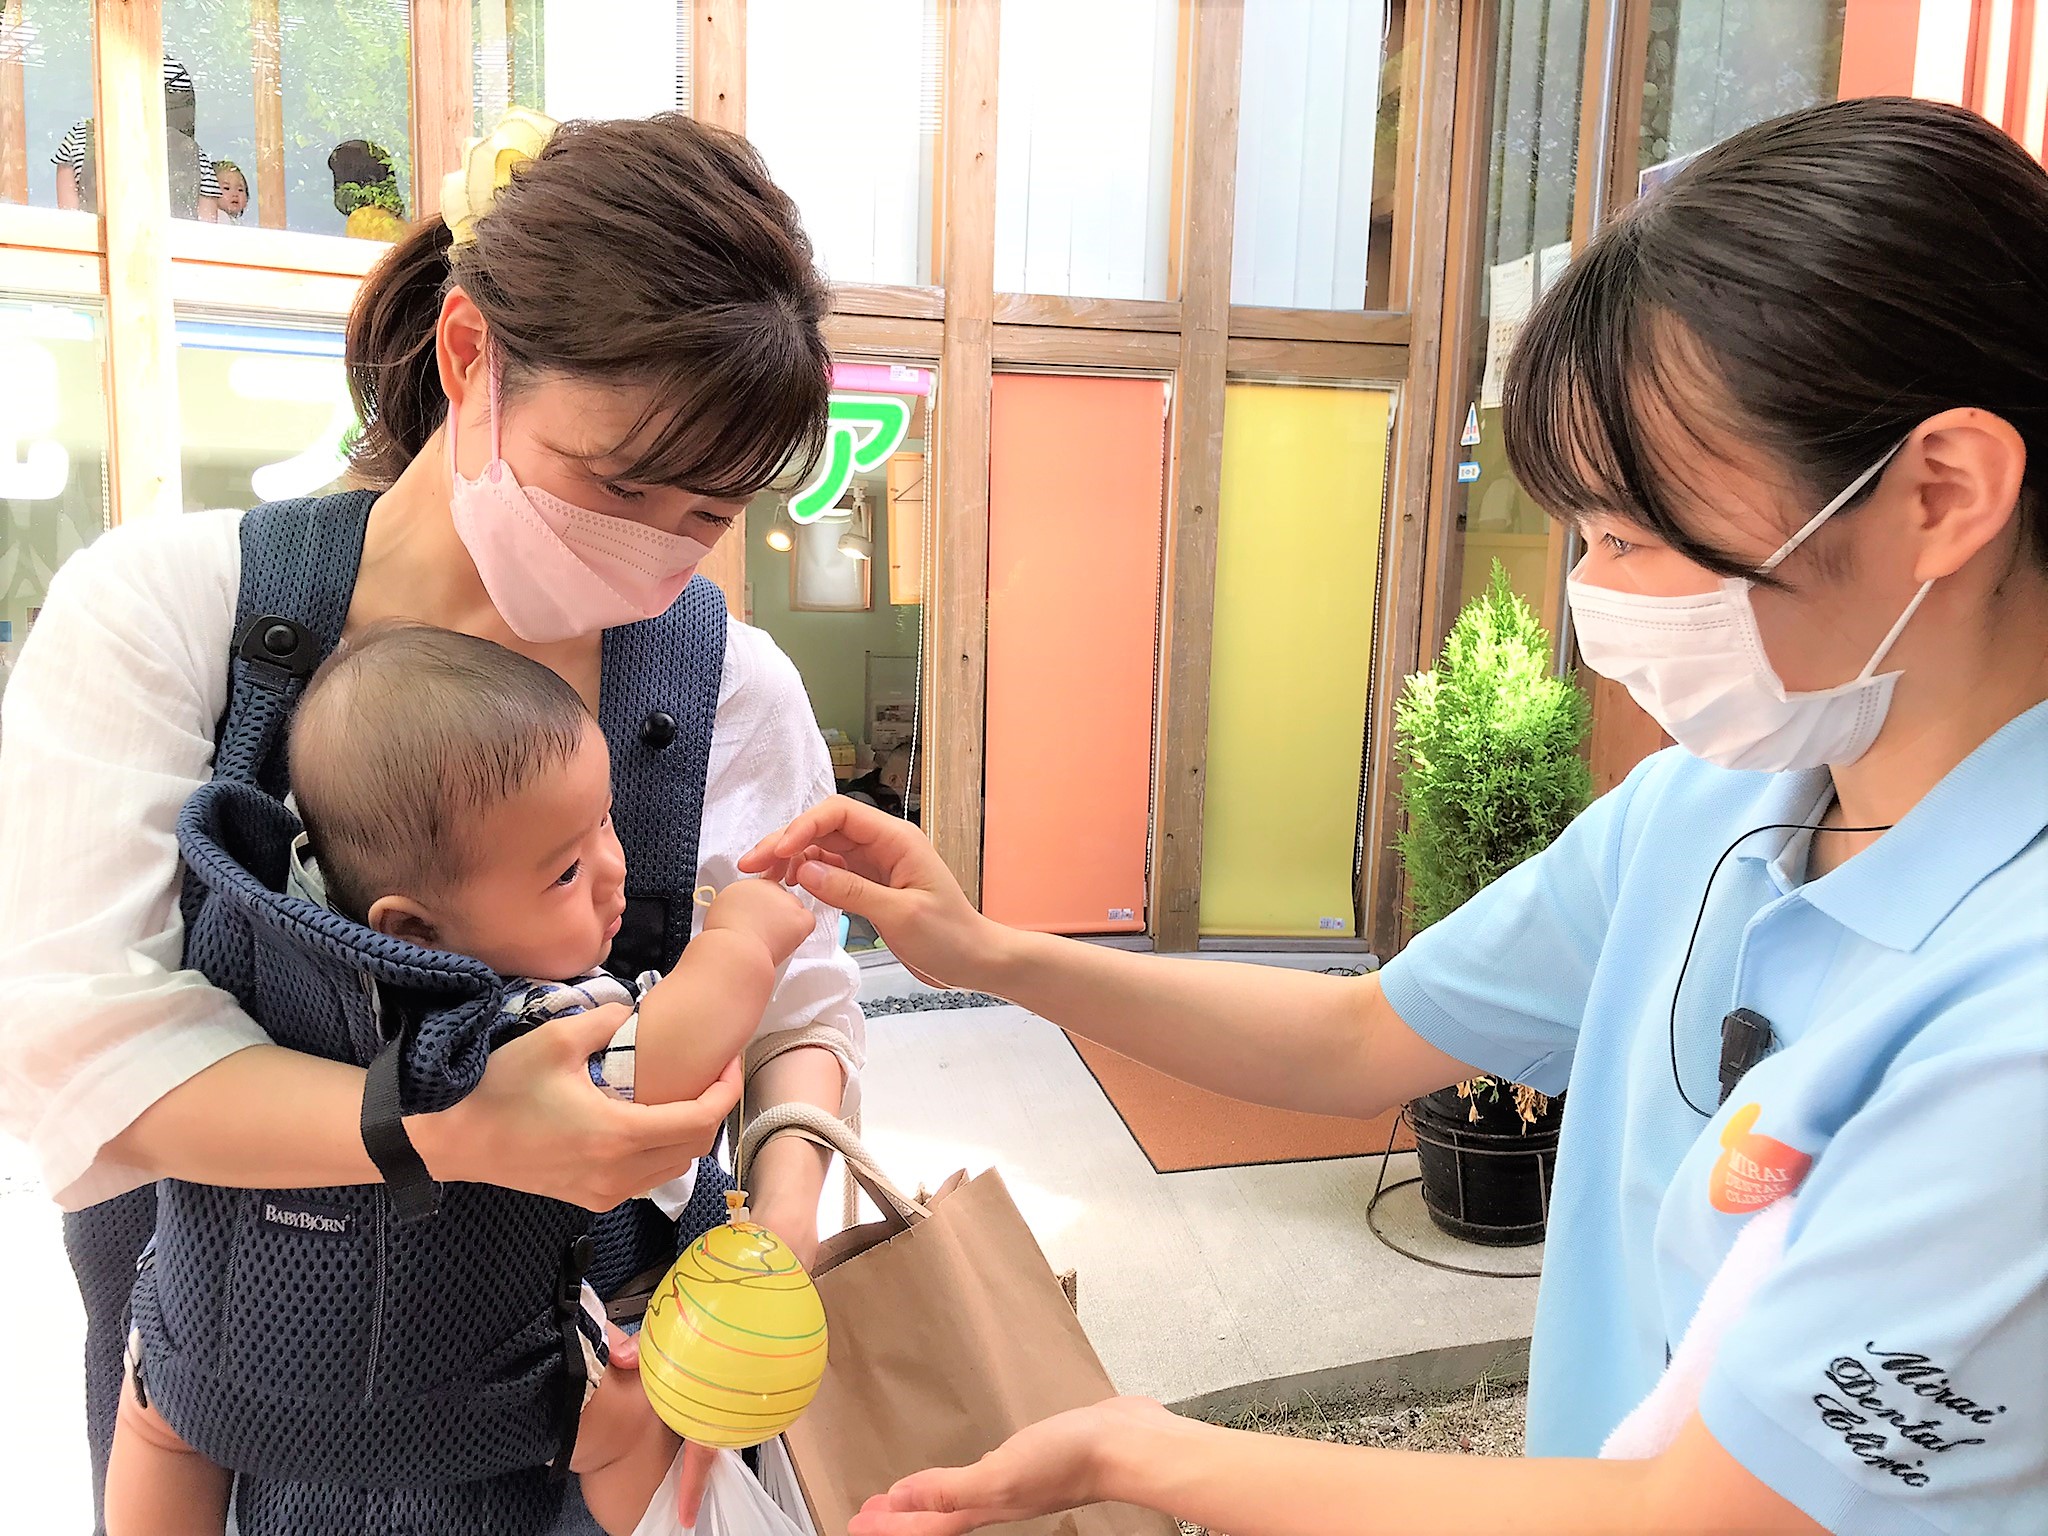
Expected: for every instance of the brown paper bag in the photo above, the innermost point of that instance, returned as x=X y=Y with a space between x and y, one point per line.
x=949 y=1333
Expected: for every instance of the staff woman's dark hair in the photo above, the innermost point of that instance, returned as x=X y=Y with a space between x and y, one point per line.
x=1820 y=285
x=653 y=252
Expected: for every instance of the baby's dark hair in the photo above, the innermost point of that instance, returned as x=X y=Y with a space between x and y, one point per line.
x=405 y=734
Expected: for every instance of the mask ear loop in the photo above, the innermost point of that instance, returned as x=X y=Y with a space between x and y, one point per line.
x=1785 y=551
x=497 y=432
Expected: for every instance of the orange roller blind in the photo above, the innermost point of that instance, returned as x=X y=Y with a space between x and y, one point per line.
x=1075 y=468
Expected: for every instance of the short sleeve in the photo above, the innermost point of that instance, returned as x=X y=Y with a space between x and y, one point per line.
x=209 y=182
x=71 y=148
x=1890 y=1378
x=1502 y=982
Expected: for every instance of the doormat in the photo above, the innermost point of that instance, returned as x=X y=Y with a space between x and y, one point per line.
x=1180 y=1128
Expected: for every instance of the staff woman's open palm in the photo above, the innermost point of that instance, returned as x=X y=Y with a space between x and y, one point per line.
x=863 y=860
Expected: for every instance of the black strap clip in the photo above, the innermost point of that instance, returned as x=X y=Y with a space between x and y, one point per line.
x=574 y=1377
x=281 y=652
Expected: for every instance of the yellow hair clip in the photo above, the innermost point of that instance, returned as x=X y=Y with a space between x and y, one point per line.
x=487 y=167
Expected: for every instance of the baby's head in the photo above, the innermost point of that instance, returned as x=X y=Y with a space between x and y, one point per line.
x=459 y=796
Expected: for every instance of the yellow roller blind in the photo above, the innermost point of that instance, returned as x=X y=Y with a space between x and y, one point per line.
x=1304 y=481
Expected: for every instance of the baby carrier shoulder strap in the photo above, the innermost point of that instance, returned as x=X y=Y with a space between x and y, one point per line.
x=659 y=701
x=299 y=564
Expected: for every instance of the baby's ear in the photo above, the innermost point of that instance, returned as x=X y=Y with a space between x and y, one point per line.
x=400 y=917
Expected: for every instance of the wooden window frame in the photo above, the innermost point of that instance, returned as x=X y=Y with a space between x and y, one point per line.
x=147 y=266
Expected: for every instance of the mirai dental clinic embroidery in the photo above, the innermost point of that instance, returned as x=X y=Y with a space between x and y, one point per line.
x=1856 y=1409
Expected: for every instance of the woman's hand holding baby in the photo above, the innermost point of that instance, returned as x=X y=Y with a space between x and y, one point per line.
x=537 y=1123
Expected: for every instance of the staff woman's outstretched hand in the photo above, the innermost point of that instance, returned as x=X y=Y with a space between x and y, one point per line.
x=537 y=1123
x=1054 y=1465
x=863 y=860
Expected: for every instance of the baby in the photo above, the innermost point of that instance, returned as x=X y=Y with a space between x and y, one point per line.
x=458 y=796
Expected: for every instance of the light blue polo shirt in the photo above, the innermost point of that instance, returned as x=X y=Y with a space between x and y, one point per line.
x=1890 y=1378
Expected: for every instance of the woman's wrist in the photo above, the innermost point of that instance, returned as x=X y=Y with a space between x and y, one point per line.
x=1129 y=1460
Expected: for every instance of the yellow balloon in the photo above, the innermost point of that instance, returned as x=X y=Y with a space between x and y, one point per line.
x=733 y=1346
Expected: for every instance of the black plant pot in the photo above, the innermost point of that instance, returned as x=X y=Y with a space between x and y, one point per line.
x=1487 y=1182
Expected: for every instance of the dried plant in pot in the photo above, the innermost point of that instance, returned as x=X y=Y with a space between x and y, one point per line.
x=1491 y=773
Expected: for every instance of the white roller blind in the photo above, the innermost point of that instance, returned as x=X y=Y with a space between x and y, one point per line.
x=842 y=102
x=1084 y=147
x=1308 y=109
x=620 y=65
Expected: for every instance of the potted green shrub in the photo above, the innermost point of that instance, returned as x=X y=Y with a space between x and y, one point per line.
x=1491 y=772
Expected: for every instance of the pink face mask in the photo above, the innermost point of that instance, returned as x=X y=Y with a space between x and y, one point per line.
x=553 y=570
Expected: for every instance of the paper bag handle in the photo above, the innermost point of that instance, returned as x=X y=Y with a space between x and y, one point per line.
x=835 y=1135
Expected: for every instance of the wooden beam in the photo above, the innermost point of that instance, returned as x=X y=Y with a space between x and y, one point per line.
x=49 y=229
x=1442 y=30
x=718 y=63
x=266 y=72
x=884 y=336
x=1048 y=346
x=1187 y=617
x=142 y=359
x=956 y=610
x=13 y=106
x=64 y=273
x=1320 y=324
x=1401 y=258
x=718 y=96
x=1341 y=361
x=443 y=108
x=885 y=299
x=1463 y=243
x=1082 y=313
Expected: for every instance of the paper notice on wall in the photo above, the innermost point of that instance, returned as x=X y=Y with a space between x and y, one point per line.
x=1550 y=264
x=1511 y=294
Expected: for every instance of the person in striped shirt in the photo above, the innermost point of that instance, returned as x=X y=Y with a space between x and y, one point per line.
x=179 y=96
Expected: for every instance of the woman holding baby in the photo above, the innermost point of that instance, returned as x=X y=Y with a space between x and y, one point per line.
x=614 y=328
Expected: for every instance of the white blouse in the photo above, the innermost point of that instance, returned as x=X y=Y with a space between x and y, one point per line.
x=109 y=726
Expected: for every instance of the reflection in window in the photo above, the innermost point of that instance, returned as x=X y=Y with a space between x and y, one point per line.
x=46 y=94
x=307 y=104
x=1318 y=118
x=560 y=59
x=53 y=452
x=842 y=591
x=1714 y=67
x=1531 y=175
x=264 y=410
x=843 y=103
x=1084 y=147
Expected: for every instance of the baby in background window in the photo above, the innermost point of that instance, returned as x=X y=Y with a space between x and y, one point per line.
x=458 y=796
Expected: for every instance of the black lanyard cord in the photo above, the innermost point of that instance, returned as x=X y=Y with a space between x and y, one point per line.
x=1701 y=916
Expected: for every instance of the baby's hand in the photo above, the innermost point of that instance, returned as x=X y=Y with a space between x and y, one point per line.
x=767 y=911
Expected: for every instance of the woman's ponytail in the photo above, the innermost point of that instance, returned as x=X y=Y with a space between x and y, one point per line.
x=393 y=374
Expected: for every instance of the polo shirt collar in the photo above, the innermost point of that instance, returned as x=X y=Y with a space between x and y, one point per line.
x=1975 y=821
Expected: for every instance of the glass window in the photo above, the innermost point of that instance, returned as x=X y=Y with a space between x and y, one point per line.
x=558 y=58
x=1714 y=67
x=1526 y=244
x=53 y=452
x=835 y=572
x=46 y=94
x=291 y=114
x=264 y=410
x=843 y=103
x=1319 y=111
x=1084 y=147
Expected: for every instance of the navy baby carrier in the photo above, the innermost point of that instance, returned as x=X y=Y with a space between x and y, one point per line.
x=400 y=1356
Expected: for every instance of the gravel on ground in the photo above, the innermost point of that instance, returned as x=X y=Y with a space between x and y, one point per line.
x=1485 y=1421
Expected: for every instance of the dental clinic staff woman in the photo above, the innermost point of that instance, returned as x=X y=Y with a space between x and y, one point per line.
x=1797 y=402
x=568 y=396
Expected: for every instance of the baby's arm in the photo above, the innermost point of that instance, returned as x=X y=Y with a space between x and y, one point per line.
x=700 y=1016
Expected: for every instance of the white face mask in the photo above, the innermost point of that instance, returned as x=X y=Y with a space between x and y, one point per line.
x=1697 y=665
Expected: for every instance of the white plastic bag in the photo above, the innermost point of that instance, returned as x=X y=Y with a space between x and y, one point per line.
x=734 y=1503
